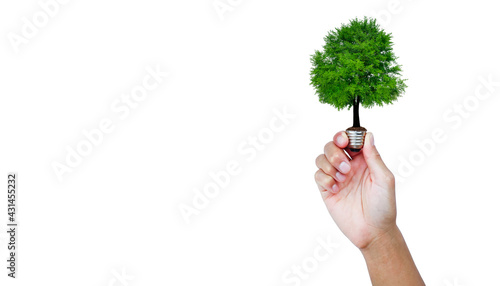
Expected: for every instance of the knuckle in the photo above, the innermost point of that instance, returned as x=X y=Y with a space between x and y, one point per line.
x=328 y=181
x=336 y=157
x=318 y=160
x=389 y=178
x=328 y=146
x=328 y=169
x=376 y=155
x=322 y=164
x=331 y=158
x=317 y=176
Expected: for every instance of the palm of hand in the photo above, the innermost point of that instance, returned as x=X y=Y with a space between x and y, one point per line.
x=365 y=206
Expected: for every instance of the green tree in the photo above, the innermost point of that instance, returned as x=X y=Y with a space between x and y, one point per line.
x=357 y=66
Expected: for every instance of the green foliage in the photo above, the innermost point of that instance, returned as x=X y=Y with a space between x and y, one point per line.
x=357 y=60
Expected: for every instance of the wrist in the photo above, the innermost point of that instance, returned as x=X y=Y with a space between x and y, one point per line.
x=387 y=239
x=389 y=261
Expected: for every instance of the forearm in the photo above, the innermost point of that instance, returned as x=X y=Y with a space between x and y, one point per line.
x=389 y=261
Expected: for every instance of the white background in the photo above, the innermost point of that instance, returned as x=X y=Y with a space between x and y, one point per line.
x=118 y=210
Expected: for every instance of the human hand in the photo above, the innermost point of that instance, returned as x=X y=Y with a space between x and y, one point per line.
x=359 y=193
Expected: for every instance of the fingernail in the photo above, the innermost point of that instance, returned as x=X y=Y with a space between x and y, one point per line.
x=340 y=177
x=371 y=139
x=341 y=140
x=335 y=189
x=344 y=167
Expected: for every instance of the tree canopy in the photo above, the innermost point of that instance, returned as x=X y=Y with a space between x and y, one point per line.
x=357 y=60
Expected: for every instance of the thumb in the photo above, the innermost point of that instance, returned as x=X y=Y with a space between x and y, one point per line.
x=373 y=160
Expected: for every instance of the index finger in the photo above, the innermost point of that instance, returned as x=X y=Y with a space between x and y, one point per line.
x=341 y=140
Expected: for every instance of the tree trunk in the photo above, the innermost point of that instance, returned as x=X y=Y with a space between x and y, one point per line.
x=356 y=113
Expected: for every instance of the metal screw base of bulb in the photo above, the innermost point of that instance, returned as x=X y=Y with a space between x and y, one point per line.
x=356 y=138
